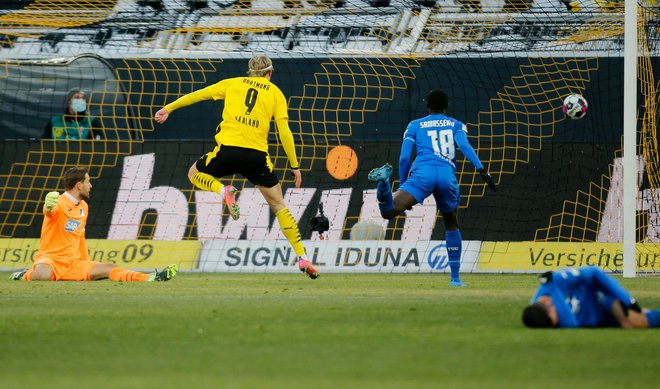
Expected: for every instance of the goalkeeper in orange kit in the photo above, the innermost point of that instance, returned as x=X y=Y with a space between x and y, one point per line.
x=63 y=254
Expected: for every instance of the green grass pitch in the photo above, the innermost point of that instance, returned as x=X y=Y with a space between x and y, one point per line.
x=286 y=331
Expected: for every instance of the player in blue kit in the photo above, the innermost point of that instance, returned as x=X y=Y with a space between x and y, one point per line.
x=585 y=297
x=434 y=137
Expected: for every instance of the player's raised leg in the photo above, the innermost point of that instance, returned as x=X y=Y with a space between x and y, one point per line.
x=390 y=204
x=209 y=183
x=383 y=191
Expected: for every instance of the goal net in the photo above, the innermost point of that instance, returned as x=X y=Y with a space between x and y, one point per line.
x=354 y=73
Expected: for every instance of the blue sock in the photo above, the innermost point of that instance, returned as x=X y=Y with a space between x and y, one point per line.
x=384 y=196
x=454 y=245
x=654 y=317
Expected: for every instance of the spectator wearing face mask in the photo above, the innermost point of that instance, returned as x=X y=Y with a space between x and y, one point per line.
x=75 y=123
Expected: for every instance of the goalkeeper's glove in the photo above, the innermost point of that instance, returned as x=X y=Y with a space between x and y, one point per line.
x=52 y=199
x=488 y=179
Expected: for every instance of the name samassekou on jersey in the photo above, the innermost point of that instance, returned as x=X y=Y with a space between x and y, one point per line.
x=436 y=123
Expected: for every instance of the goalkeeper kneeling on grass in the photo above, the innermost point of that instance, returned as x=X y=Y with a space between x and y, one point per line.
x=585 y=297
x=63 y=254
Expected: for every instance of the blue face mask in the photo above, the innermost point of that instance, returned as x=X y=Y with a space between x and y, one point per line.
x=78 y=105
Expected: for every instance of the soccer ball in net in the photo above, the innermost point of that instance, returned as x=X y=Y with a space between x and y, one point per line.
x=575 y=106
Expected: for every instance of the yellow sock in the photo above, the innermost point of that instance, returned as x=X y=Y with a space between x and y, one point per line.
x=290 y=230
x=206 y=182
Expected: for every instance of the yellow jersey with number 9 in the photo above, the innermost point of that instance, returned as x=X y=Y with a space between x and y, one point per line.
x=250 y=105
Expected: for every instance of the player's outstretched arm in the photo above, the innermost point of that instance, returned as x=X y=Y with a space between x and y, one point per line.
x=208 y=93
x=297 y=177
x=161 y=116
x=488 y=179
x=405 y=158
x=51 y=200
x=286 y=137
x=469 y=152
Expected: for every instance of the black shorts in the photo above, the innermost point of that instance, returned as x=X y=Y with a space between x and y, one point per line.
x=252 y=164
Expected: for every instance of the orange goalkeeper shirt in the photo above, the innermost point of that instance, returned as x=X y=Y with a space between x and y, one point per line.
x=63 y=231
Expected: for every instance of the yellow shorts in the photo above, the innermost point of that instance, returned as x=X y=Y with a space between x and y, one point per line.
x=68 y=271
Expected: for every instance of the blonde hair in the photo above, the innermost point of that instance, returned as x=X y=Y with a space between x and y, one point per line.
x=259 y=65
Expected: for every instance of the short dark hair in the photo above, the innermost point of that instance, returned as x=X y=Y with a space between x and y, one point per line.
x=73 y=176
x=437 y=100
x=536 y=316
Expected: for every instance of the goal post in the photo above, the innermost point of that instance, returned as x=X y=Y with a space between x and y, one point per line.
x=630 y=185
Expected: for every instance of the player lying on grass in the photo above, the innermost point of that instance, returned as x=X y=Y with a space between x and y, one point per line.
x=434 y=138
x=63 y=254
x=585 y=297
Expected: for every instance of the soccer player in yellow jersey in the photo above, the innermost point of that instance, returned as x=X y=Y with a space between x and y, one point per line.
x=63 y=254
x=242 y=144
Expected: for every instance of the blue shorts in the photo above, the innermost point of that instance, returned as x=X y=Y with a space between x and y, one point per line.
x=439 y=181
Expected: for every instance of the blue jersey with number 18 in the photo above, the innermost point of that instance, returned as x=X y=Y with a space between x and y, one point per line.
x=433 y=137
